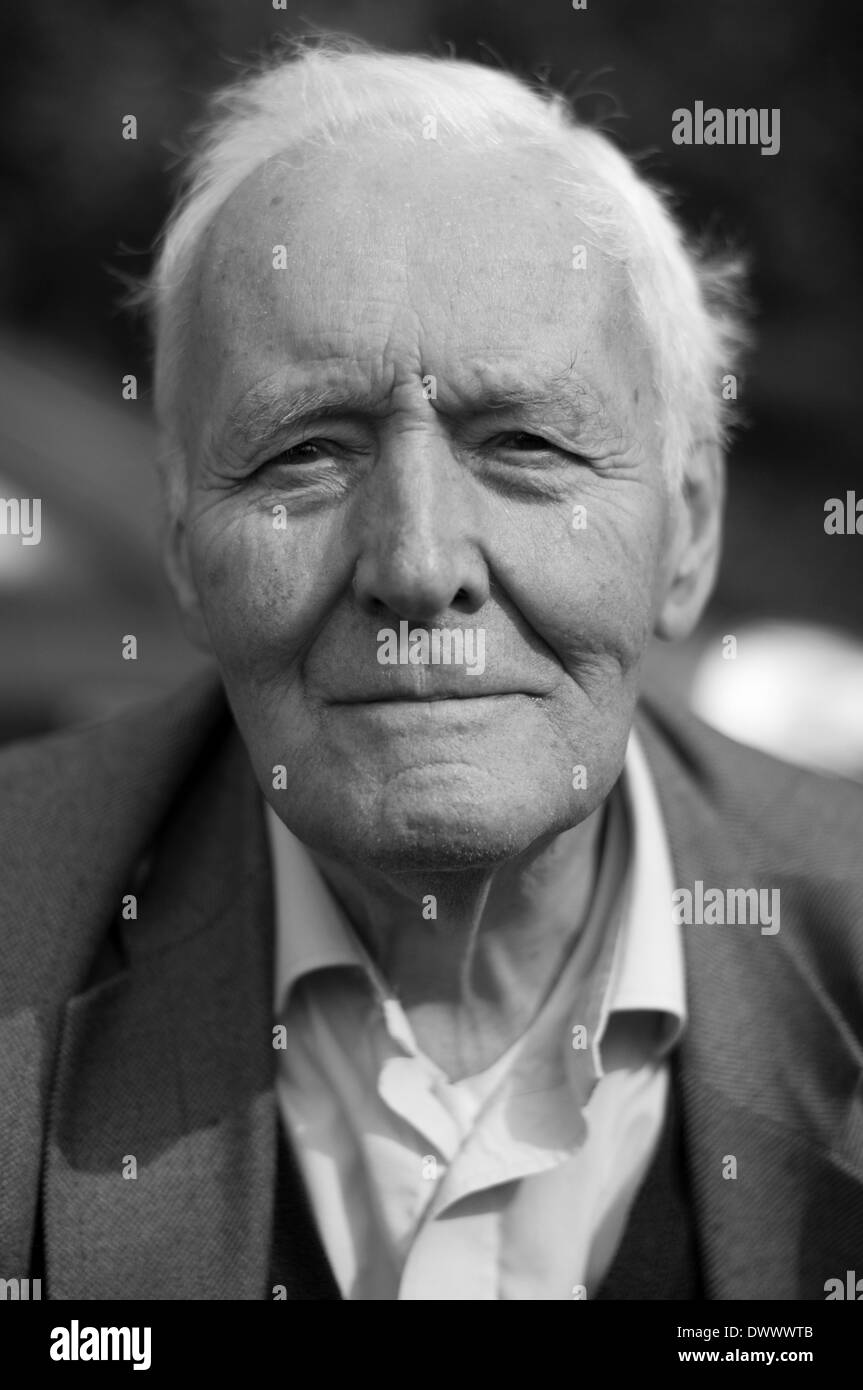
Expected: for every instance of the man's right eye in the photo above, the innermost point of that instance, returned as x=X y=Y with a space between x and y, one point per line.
x=309 y=451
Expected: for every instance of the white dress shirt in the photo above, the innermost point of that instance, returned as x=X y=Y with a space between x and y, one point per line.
x=515 y=1183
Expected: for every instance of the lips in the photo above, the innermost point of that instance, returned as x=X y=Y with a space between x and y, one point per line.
x=399 y=690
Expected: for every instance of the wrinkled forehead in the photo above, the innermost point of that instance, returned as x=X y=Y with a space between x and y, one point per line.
x=429 y=253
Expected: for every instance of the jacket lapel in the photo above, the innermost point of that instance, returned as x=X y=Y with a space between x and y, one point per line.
x=770 y=1075
x=166 y=1072
x=74 y=810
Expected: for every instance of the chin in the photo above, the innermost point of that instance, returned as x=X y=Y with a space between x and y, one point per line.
x=440 y=833
x=432 y=847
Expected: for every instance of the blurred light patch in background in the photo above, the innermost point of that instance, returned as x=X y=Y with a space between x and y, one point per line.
x=793 y=690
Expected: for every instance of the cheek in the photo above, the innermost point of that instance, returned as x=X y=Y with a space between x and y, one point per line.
x=263 y=590
x=587 y=581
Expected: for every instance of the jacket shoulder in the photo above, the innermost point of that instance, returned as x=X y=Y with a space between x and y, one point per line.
x=76 y=809
x=785 y=814
x=137 y=747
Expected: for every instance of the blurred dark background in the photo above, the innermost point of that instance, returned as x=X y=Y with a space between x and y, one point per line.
x=82 y=207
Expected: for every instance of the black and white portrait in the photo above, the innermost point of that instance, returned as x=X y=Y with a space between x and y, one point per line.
x=432 y=696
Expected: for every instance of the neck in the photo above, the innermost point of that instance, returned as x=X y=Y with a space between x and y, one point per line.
x=471 y=955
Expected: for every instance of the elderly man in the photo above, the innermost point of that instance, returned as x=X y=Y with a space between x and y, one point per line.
x=410 y=959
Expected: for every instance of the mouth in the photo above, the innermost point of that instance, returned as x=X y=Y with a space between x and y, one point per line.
x=427 y=697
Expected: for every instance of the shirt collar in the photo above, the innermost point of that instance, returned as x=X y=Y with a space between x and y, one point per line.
x=312 y=931
x=647 y=972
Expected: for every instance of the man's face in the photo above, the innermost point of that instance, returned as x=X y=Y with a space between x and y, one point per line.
x=476 y=447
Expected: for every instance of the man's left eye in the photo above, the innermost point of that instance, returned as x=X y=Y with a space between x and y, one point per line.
x=520 y=440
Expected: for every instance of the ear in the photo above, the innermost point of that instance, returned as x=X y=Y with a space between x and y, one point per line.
x=695 y=540
x=181 y=580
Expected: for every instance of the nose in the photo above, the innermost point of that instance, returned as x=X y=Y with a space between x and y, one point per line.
x=419 y=555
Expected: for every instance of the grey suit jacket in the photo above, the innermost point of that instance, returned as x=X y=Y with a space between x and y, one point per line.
x=151 y=1038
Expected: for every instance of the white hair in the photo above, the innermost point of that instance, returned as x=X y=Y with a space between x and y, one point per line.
x=690 y=301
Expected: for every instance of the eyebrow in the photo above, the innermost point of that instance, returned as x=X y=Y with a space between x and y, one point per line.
x=264 y=408
x=563 y=394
